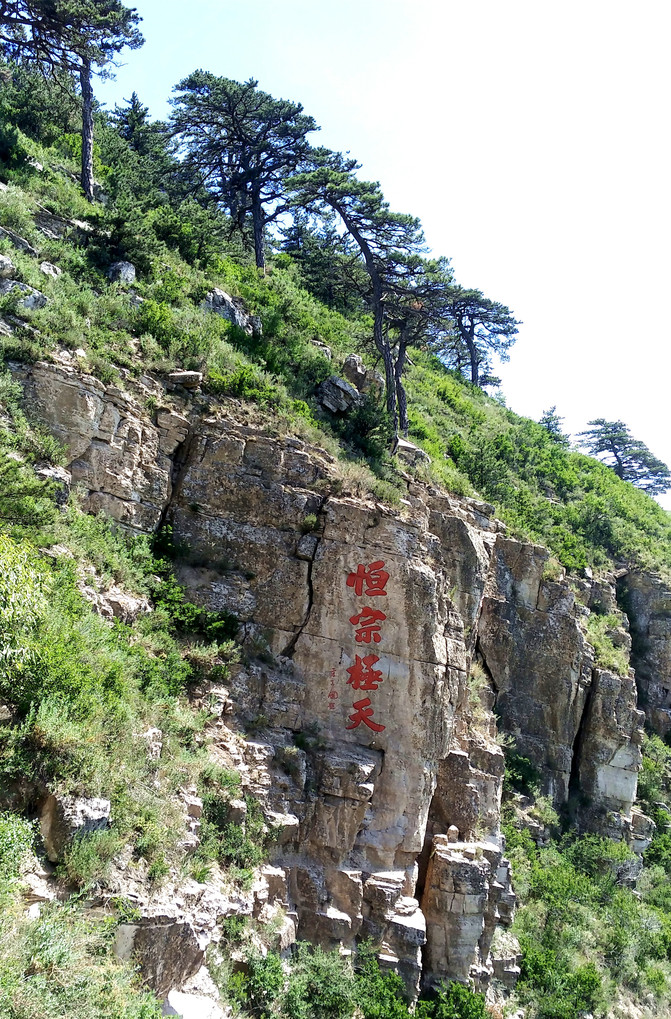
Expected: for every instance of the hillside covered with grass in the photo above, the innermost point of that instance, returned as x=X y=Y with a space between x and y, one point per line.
x=80 y=691
x=541 y=488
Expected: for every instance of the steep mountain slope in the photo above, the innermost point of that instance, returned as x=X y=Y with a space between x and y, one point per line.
x=277 y=685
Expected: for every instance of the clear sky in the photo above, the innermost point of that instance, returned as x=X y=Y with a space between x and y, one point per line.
x=530 y=137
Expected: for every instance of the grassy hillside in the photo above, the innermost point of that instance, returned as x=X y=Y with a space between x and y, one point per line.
x=541 y=489
x=77 y=689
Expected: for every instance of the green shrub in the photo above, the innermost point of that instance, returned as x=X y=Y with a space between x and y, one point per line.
x=16 y=840
x=520 y=774
x=248 y=383
x=452 y=1001
x=607 y=654
x=320 y=986
x=242 y=846
x=86 y=858
x=378 y=995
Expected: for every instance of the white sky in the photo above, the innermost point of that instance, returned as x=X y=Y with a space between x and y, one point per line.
x=531 y=138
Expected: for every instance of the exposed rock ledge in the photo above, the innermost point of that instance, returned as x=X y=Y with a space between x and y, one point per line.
x=367 y=753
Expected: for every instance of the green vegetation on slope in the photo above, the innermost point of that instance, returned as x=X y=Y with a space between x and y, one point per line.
x=59 y=965
x=590 y=930
x=575 y=505
x=323 y=985
x=81 y=692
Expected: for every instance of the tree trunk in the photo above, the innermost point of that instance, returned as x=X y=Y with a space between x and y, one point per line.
x=383 y=348
x=258 y=223
x=87 y=129
x=380 y=340
x=401 y=396
x=475 y=360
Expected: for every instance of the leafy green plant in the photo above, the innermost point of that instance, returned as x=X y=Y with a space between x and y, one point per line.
x=16 y=841
x=309 y=523
x=453 y=1001
x=608 y=655
x=520 y=773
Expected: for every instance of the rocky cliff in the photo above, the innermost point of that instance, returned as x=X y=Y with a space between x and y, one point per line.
x=372 y=750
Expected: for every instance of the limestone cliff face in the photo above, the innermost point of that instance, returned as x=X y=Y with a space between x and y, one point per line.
x=370 y=753
x=647 y=600
x=577 y=723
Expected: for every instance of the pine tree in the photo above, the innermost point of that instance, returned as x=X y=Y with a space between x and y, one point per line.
x=242 y=144
x=386 y=240
x=69 y=35
x=631 y=459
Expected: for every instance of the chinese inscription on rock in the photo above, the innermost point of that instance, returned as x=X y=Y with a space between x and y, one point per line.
x=367 y=582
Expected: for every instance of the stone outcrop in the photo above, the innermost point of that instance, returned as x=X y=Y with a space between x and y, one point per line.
x=118 y=458
x=338 y=395
x=7 y=267
x=233 y=310
x=19 y=242
x=49 y=269
x=372 y=752
x=63 y=818
x=31 y=299
x=411 y=453
x=467 y=892
x=121 y=272
x=647 y=602
x=366 y=380
x=577 y=723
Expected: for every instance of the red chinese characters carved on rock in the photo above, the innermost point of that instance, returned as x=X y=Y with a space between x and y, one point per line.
x=368 y=625
x=363 y=713
x=369 y=580
x=362 y=675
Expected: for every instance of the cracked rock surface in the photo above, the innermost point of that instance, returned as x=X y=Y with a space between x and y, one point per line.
x=367 y=753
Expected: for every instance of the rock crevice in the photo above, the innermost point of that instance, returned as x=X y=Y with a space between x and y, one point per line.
x=374 y=751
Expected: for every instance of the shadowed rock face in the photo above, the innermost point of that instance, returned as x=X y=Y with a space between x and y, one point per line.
x=369 y=756
x=647 y=602
x=578 y=724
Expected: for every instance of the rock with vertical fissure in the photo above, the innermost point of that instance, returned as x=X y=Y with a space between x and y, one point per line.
x=366 y=745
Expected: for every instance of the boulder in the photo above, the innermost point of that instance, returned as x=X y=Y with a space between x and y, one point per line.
x=411 y=453
x=7 y=267
x=233 y=310
x=63 y=818
x=60 y=479
x=194 y=1006
x=337 y=395
x=168 y=952
x=33 y=298
x=19 y=242
x=354 y=370
x=115 y=603
x=190 y=380
x=49 y=269
x=153 y=738
x=121 y=272
x=54 y=227
x=198 y=999
x=366 y=380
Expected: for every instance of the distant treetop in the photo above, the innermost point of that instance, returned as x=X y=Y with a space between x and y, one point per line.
x=631 y=459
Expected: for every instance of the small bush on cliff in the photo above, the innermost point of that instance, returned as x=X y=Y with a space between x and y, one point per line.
x=452 y=1001
x=244 y=845
x=607 y=654
x=379 y=995
x=323 y=985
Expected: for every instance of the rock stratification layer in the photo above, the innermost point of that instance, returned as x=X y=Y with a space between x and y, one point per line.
x=373 y=753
